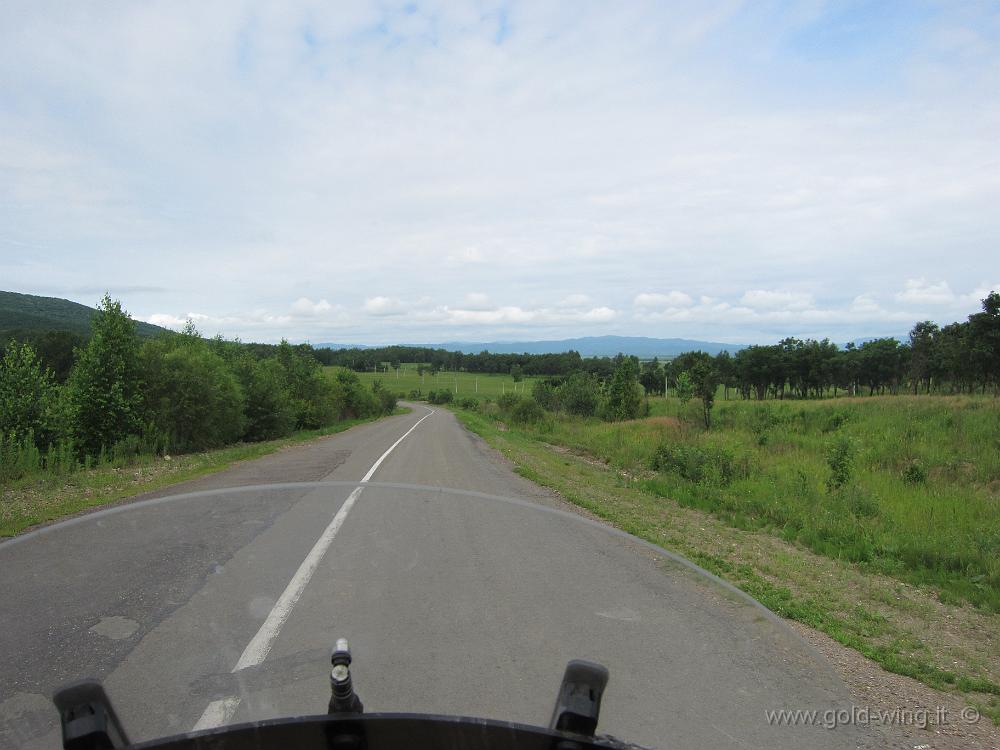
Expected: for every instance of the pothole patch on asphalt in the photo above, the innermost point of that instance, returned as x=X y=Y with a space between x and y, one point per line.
x=116 y=628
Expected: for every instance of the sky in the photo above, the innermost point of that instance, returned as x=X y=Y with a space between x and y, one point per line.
x=445 y=171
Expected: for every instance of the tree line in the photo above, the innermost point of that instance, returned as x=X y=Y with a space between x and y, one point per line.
x=961 y=357
x=120 y=396
x=485 y=362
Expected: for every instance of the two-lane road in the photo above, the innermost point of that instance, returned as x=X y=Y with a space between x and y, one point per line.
x=221 y=605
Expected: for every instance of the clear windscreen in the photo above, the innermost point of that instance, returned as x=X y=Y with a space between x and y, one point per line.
x=453 y=603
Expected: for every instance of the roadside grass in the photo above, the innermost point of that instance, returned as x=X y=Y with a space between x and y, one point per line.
x=920 y=497
x=45 y=497
x=898 y=570
x=461 y=384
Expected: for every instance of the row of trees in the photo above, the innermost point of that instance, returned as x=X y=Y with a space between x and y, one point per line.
x=178 y=392
x=961 y=357
x=435 y=360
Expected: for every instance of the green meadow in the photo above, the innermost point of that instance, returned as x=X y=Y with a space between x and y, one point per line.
x=462 y=384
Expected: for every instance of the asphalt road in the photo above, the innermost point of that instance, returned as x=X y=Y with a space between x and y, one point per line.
x=221 y=605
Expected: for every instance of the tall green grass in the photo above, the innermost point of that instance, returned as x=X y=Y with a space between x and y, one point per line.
x=914 y=490
x=461 y=384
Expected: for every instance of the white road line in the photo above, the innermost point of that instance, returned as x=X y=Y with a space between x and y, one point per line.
x=219 y=712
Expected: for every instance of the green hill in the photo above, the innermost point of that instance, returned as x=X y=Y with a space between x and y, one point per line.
x=28 y=313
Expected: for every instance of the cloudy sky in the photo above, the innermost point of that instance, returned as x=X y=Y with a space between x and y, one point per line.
x=384 y=172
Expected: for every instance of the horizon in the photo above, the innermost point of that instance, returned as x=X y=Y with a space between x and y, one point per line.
x=505 y=172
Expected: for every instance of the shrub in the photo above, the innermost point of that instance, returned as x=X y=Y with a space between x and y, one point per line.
x=440 y=397
x=385 y=399
x=761 y=423
x=356 y=400
x=546 y=394
x=267 y=405
x=469 y=403
x=914 y=473
x=192 y=396
x=580 y=395
x=415 y=395
x=507 y=402
x=624 y=399
x=840 y=459
x=527 y=411
x=712 y=463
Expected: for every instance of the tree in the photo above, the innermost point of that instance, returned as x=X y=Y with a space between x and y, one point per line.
x=624 y=396
x=705 y=380
x=26 y=393
x=924 y=357
x=985 y=339
x=684 y=388
x=651 y=377
x=104 y=386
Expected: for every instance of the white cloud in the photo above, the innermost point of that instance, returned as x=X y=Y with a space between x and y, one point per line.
x=167 y=321
x=383 y=306
x=919 y=291
x=670 y=299
x=599 y=314
x=776 y=299
x=975 y=298
x=305 y=306
x=287 y=150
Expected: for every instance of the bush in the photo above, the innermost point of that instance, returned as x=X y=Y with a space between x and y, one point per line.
x=527 y=411
x=415 y=395
x=761 y=423
x=385 y=399
x=192 y=397
x=440 y=397
x=267 y=405
x=546 y=394
x=580 y=395
x=840 y=459
x=914 y=473
x=624 y=399
x=712 y=463
x=356 y=401
x=468 y=403
x=507 y=401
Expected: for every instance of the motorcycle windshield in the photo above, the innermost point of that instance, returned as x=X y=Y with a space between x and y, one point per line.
x=453 y=602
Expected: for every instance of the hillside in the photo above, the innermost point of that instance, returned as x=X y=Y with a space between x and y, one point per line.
x=30 y=313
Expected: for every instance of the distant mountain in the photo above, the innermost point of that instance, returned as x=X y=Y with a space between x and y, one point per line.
x=587 y=346
x=30 y=313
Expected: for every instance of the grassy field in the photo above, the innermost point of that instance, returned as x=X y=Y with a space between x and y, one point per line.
x=46 y=497
x=461 y=384
x=896 y=553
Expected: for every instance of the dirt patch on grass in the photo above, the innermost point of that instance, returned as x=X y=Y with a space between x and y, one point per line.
x=673 y=422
